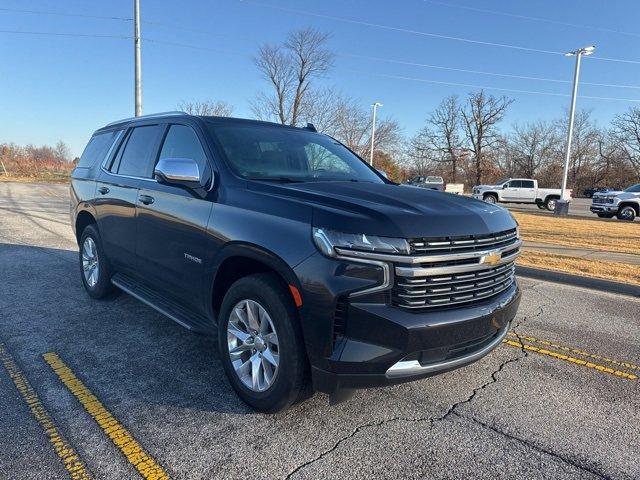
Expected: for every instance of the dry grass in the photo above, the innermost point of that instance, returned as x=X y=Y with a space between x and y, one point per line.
x=613 y=236
x=47 y=177
x=620 y=272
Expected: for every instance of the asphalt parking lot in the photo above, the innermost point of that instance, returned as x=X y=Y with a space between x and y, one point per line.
x=102 y=388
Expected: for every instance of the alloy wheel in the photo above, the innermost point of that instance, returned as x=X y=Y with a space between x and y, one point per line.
x=253 y=345
x=628 y=213
x=90 y=262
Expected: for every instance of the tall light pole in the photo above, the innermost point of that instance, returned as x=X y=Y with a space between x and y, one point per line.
x=138 y=66
x=562 y=206
x=375 y=106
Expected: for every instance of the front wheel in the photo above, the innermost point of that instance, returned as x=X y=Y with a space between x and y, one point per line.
x=627 y=213
x=261 y=345
x=490 y=199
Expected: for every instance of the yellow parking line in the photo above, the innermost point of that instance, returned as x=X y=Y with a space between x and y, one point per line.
x=67 y=454
x=576 y=351
x=576 y=361
x=120 y=436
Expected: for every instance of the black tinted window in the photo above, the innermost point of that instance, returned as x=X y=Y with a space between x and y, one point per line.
x=97 y=148
x=527 y=183
x=182 y=142
x=515 y=184
x=136 y=159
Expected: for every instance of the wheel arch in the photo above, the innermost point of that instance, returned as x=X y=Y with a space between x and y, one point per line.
x=238 y=260
x=634 y=205
x=83 y=219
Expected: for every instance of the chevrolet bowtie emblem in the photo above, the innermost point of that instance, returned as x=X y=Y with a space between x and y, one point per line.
x=492 y=258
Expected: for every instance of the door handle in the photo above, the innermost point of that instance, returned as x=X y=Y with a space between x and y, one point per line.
x=146 y=199
x=103 y=190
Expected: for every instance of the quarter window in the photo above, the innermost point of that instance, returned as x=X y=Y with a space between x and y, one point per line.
x=97 y=148
x=137 y=158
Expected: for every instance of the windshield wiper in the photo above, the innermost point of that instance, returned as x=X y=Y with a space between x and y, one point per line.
x=277 y=179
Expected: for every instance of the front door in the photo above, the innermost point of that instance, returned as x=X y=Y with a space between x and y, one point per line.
x=172 y=222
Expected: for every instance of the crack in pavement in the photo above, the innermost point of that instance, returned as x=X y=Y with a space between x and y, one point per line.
x=452 y=408
x=533 y=446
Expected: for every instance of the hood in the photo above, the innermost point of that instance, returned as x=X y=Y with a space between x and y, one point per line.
x=610 y=193
x=392 y=210
x=484 y=187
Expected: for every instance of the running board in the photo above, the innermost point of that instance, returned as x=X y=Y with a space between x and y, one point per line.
x=177 y=313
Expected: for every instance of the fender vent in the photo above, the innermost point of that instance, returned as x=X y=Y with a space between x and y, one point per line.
x=340 y=319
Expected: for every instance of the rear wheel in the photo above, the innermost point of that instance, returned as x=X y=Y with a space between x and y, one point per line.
x=627 y=213
x=550 y=204
x=95 y=270
x=261 y=345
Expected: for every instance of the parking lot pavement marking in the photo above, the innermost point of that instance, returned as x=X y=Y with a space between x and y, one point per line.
x=67 y=454
x=577 y=351
x=120 y=436
x=575 y=361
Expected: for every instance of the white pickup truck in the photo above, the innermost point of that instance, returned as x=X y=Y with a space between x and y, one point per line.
x=519 y=190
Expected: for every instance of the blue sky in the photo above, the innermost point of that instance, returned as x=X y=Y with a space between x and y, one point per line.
x=57 y=87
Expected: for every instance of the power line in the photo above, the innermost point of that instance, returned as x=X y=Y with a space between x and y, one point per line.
x=481 y=72
x=527 y=17
x=484 y=87
x=66 y=34
x=426 y=34
x=64 y=14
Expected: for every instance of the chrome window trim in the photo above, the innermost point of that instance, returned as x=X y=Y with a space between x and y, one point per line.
x=414 y=259
x=407 y=368
x=116 y=141
x=128 y=176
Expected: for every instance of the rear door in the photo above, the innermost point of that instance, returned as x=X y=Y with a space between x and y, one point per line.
x=117 y=193
x=527 y=191
x=172 y=222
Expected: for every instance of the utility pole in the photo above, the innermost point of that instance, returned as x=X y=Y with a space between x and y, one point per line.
x=375 y=106
x=562 y=206
x=138 y=66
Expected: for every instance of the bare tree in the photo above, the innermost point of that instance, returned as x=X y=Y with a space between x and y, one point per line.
x=421 y=154
x=447 y=138
x=480 y=117
x=584 y=146
x=215 y=108
x=531 y=146
x=626 y=131
x=290 y=68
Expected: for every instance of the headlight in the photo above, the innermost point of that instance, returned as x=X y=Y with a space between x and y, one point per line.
x=327 y=240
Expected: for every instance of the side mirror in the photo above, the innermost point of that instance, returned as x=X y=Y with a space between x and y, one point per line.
x=177 y=171
x=505 y=186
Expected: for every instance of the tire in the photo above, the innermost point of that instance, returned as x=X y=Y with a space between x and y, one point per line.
x=627 y=213
x=550 y=204
x=273 y=388
x=541 y=205
x=96 y=279
x=490 y=199
x=589 y=195
x=605 y=215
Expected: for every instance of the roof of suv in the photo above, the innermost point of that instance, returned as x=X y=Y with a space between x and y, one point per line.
x=207 y=118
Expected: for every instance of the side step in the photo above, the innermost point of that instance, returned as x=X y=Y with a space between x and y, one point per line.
x=177 y=313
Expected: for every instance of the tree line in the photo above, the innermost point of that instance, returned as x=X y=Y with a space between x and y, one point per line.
x=32 y=161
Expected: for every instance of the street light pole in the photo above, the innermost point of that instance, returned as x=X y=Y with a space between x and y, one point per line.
x=138 y=66
x=562 y=206
x=375 y=106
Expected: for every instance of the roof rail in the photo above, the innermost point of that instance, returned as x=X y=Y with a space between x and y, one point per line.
x=152 y=115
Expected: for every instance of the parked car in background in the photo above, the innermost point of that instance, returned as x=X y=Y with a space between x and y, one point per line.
x=589 y=192
x=518 y=190
x=313 y=270
x=625 y=204
x=431 y=182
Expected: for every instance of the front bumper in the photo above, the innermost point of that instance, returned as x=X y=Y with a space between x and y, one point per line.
x=395 y=346
x=604 y=208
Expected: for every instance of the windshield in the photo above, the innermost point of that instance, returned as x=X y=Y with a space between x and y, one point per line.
x=503 y=181
x=435 y=180
x=282 y=154
x=633 y=188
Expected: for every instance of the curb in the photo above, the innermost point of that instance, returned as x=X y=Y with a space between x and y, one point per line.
x=579 y=281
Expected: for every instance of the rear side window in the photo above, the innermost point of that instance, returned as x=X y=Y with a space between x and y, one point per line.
x=97 y=148
x=182 y=142
x=137 y=159
x=527 y=183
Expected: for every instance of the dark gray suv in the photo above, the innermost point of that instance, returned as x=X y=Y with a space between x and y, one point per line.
x=316 y=271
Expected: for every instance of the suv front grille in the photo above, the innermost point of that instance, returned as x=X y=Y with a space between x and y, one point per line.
x=452 y=289
x=462 y=244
